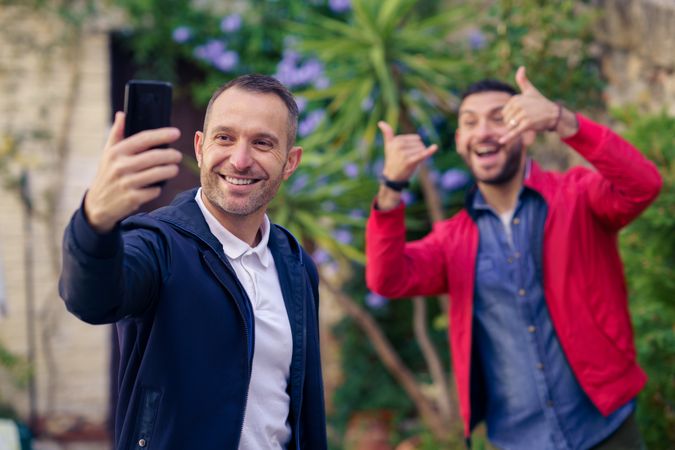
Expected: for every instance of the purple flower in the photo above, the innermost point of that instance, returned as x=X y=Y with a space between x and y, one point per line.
x=311 y=70
x=291 y=56
x=301 y=102
x=321 y=256
x=210 y=51
x=226 y=61
x=292 y=74
x=339 y=6
x=351 y=170
x=407 y=197
x=181 y=34
x=454 y=179
x=230 y=23
x=367 y=104
x=357 y=214
x=476 y=39
x=376 y=301
x=343 y=236
x=311 y=122
x=322 y=83
x=299 y=182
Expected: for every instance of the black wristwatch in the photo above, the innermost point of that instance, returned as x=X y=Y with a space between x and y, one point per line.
x=397 y=186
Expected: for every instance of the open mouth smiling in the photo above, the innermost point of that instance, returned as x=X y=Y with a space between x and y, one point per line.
x=486 y=151
x=239 y=181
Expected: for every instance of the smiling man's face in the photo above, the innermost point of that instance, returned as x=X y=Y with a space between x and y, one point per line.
x=243 y=154
x=480 y=126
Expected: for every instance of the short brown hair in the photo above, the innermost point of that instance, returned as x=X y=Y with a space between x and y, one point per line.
x=263 y=84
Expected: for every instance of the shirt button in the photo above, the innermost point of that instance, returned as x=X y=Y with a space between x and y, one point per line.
x=516 y=221
x=531 y=328
x=517 y=254
x=510 y=260
x=142 y=443
x=540 y=366
x=549 y=403
x=521 y=292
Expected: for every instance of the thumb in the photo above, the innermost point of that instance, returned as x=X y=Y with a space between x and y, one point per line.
x=523 y=82
x=117 y=130
x=387 y=131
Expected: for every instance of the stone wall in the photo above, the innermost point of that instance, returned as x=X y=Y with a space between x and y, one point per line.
x=47 y=80
x=638 y=53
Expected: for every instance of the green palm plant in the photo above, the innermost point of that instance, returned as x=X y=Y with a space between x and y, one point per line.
x=387 y=63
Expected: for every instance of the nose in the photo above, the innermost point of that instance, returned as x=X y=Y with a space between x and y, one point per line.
x=241 y=157
x=483 y=129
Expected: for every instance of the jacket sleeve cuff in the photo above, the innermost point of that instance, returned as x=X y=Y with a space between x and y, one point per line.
x=91 y=242
x=399 y=210
x=589 y=136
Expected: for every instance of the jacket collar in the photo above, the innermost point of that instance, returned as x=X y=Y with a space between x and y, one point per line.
x=184 y=213
x=533 y=180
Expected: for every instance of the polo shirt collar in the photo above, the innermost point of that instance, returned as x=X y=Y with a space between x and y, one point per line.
x=233 y=246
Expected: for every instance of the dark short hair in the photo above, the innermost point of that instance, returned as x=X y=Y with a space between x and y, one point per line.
x=263 y=84
x=488 y=85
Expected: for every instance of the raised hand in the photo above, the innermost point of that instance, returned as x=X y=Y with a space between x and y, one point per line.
x=128 y=169
x=530 y=110
x=403 y=153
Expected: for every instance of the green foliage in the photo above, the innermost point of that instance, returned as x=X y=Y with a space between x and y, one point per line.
x=15 y=370
x=550 y=38
x=648 y=249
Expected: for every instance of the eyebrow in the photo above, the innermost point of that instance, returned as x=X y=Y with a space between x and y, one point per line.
x=258 y=135
x=493 y=110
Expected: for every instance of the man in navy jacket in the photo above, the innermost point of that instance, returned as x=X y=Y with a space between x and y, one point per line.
x=216 y=308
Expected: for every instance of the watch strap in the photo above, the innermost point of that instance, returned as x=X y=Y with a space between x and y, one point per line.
x=397 y=186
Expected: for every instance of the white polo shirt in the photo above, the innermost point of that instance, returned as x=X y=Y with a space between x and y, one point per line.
x=266 y=418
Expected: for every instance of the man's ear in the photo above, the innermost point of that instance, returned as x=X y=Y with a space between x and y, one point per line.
x=199 y=144
x=292 y=162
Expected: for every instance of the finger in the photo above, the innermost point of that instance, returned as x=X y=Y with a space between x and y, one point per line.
x=409 y=138
x=148 y=139
x=116 y=131
x=513 y=134
x=387 y=131
x=430 y=150
x=425 y=154
x=148 y=177
x=524 y=84
x=152 y=158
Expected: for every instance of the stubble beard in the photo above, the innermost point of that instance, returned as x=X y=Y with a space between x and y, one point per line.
x=240 y=207
x=509 y=169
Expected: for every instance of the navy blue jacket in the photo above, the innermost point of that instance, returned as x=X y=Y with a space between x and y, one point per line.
x=186 y=328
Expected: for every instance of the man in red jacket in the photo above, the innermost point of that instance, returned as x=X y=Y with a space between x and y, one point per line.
x=540 y=333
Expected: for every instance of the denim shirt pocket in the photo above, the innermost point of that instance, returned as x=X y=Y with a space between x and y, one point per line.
x=488 y=283
x=145 y=420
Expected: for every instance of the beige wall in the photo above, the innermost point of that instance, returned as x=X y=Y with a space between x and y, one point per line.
x=37 y=80
x=638 y=57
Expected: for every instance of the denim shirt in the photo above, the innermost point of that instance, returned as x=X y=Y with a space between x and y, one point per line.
x=532 y=398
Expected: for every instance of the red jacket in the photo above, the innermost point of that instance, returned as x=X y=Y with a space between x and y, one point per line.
x=582 y=272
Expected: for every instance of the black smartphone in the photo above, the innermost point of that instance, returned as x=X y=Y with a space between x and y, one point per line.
x=147 y=105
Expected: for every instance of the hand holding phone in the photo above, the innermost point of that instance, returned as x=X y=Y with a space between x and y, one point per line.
x=134 y=162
